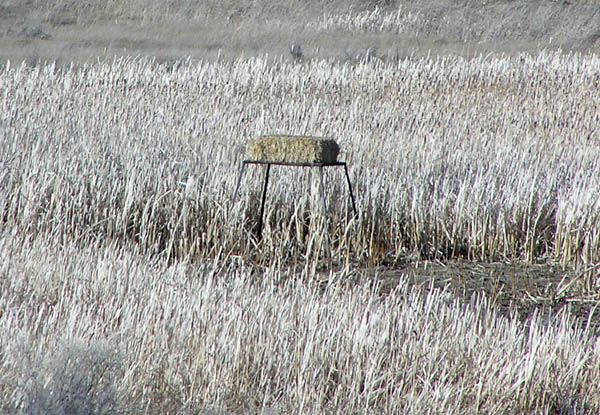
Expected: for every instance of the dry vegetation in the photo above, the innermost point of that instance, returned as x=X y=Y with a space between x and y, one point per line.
x=486 y=159
x=101 y=330
x=130 y=282
x=78 y=30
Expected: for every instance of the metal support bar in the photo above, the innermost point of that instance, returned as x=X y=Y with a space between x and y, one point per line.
x=322 y=190
x=324 y=202
x=262 y=203
x=239 y=181
x=350 y=189
x=266 y=185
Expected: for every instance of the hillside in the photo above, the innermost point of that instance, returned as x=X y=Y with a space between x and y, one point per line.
x=56 y=29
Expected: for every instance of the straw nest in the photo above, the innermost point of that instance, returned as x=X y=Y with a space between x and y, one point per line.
x=293 y=149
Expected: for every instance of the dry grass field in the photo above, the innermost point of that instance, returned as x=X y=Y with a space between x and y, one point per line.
x=131 y=282
x=102 y=330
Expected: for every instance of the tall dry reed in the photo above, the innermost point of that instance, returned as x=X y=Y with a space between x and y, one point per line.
x=104 y=330
x=490 y=158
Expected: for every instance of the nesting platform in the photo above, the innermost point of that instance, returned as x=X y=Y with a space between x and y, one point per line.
x=293 y=151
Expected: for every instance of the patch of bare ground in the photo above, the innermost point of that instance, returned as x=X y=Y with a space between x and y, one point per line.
x=512 y=287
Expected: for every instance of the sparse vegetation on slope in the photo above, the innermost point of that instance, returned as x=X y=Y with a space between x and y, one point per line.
x=67 y=30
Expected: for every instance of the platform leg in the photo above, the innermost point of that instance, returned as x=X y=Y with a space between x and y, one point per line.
x=327 y=247
x=350 y=190
x=262 y=203
x=322 y=190
x=239 y=181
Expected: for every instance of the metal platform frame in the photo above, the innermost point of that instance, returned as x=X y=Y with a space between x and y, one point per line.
x=268 y=165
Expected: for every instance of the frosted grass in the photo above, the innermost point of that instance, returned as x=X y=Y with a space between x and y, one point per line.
x=491 y=158
x=105 y=330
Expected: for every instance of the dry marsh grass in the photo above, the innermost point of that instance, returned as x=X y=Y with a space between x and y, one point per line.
x=377 y=19
x=103 y=330
x=130 y=283
x=492 y=158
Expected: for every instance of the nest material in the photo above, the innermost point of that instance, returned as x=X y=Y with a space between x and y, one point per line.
x=293 y=149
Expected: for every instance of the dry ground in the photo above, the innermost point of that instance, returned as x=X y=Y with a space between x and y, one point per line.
x=513 y=288
x=55 y=30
